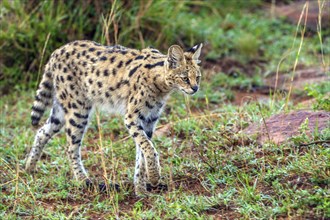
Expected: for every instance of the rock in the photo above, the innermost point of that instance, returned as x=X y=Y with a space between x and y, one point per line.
x=281 y=127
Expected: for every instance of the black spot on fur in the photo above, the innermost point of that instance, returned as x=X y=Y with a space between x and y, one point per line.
x=55 y=121
x=73 y=123
x=149 y=134
x=80 y=103
x=35 y=120
x=122 y=82
x=80 y=115
x=45 y=94
x=112 y=59
x=154 y=51
x=146 y=57
x=139 y=57
x=74 y=106
x=120 y=64
x=150 y=66
x=37 y=109
x=48 y=85
x=132 y=71
x=37 y=98
x=128 y=62
x=75 y=141
x=149 y=105
x=135 y=134
x=141 y=117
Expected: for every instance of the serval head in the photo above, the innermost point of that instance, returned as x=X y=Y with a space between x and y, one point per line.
x=182 y=70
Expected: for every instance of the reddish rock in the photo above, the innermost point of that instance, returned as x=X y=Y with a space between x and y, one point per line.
x=281 y=127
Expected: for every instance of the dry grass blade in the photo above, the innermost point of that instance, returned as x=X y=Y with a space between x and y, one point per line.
x=42 y=56
x=109 y=20
x=304 y=12
x=319 y=30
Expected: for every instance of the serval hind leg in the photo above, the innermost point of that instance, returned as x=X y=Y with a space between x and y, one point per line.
x=52 y=126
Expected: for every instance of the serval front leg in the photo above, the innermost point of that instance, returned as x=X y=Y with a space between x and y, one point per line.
x=147 y=156
x=140 y=175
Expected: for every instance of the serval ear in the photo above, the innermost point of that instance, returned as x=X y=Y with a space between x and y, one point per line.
x=175 y=56
x=196 y=51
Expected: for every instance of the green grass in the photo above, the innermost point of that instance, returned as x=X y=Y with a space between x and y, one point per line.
x=211 y=169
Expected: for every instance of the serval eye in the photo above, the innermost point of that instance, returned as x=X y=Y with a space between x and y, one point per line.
x=186 y=80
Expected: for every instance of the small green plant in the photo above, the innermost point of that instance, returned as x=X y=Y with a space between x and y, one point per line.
x=321 y=94
x=302 y=137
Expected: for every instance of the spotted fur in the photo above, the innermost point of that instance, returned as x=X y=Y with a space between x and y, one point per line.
x=83 y=75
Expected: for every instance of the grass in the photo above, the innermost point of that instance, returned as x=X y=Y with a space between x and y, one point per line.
x=212 y=169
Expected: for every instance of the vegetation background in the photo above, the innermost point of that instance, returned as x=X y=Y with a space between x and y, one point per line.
x=212 y=168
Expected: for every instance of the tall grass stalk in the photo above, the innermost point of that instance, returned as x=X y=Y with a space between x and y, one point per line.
x=319 y=30
x=144 y=7
x=304 y=12
x=42 y=57
x=109 y=20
